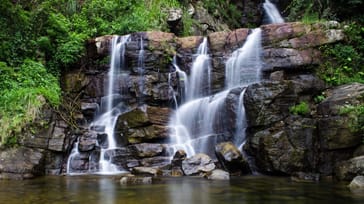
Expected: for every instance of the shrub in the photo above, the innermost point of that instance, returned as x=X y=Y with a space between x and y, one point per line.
x=301 y=109
x=24 y=91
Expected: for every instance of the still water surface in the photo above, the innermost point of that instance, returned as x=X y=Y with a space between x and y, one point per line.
x=242 y=190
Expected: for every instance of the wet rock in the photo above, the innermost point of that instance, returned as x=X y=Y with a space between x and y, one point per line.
x=147 y=149
x=149 y=171
x=197 y=165
x=305 y=177
x=189 y=43
x=336 y=133
x=176 y=172
x=80 y=163
x=146 y=134
x=160 y=162
x=357 y=183
x=277 y=76
x=231 y=158
x=289 y=58
x=134 y=118
x=349 y=94
x=102 y=44
x=143 y=122
x=274 y=153
x=57 y=140
x=174 y=17
x=219 y=174
x=268 y=102
x=135 y=180
x=87 y=141
x=359 y=151
x=335 y=128
x=89 y=110
x=347 y=170
x=178 y=158
x=53 y=163
x=21 y=163
x=158 y=115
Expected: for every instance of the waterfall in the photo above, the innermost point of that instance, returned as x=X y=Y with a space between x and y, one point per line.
x=111 y=106
x=244 y=65
x=198 y=123
x=272 y=13
x=241 y=123
x=74 y=153
x=183 y=79
x=114 y=102
x=199 y=81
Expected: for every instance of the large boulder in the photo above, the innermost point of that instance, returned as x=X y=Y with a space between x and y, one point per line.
x=294 y=45
x=336 y=128
x=347 y=170
x=143 y=124
x=198 y=164
x=219 y=174
x=147 y=149
x=275 y=154
x=357 y=183
x=231 y=158
x=21 y=163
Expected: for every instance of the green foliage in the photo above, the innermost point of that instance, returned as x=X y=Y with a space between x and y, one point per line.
x=319 y=98
x=23 y=92
x=225 y=11
x=344 y=62
x=356 y=116
x=342 y=10
x=301 y=109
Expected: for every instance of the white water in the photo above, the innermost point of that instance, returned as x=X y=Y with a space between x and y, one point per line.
x=244 y=65
x=199 y=80
x=196 y=123
x=272 y=12
x=109 y=117
x=183 y=79
x=241 y=123
x=243 y=68
x=73 y=154
x=111 y=107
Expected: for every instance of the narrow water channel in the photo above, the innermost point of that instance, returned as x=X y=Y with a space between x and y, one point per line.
x=242 y=190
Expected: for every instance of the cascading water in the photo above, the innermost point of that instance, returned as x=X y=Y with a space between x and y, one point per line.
x=197 y=123
x=199 y=81
x=115 y=104
x=190 y=122
x=272 y=13
x=243 y=68
x=183 y=80
x=111 y=106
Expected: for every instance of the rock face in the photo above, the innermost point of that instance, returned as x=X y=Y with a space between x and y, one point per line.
x=231 y=158
x=357 y=183
x=22 y=163
x=316 y=141
x=279 y=141
x=347 y=170
x=198 y=164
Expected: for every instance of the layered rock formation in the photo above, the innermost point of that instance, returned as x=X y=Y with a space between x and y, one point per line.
x=279 y=141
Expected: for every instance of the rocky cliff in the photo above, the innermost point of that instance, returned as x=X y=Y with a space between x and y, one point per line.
x=278 y=140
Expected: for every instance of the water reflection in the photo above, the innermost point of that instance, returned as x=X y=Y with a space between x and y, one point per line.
x=107 y=190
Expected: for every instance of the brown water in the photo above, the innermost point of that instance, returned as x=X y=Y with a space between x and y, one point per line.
x=242 y=190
